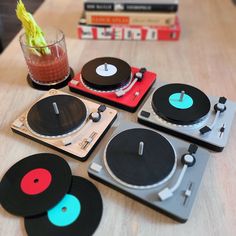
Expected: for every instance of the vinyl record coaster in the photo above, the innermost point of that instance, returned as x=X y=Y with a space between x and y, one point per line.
x=78 y=213
x=106 y=73
x=180 y=104
x=35 y=184
x=131 y=158
x=56 y=116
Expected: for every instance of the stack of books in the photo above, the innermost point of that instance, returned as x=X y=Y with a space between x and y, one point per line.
x=130 y=20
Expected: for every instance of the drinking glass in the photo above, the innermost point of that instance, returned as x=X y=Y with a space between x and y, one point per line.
x=48 y=64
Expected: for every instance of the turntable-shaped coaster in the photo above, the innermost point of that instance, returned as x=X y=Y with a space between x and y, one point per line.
x=156 y=169
x=113 y=81
x=66 y=123
x=187 y=112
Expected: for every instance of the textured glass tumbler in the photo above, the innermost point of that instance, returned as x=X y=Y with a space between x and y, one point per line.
x=47 y=65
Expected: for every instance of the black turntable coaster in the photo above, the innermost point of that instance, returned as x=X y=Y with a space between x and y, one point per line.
x=35 y=184
x=124 y=162
x=106 y=73
x=56 y=115
x=79 y=213
x=192 y=109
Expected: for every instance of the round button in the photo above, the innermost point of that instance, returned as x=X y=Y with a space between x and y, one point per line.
x=188 y=160
x=220 y=107
x=95 y=116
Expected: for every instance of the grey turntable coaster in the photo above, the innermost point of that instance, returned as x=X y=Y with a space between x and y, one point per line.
x=215 y=140
x=175 y=192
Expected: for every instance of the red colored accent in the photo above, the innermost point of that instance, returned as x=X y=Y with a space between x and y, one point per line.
x=144 y=34
x=94 y=33
x=129 y=99
x=80 y=32
x=113 y=34
x=170 y=33
x=36 y=181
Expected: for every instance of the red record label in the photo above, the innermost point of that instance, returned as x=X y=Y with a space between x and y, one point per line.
x=36 y=181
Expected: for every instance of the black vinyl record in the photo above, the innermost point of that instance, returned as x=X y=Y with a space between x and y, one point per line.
x=79 y=213
x=43 y=120
x=155 y=165
x=35 y=184
x=94 y=75
x=192 y=109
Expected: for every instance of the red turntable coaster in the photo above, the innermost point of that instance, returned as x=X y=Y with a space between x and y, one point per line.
x=113 y=81
x=35 y=184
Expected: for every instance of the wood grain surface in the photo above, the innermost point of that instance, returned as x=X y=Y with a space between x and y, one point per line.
x=205 y=57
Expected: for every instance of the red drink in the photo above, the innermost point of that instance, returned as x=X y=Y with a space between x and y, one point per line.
x=49 y=68
x=47 y=65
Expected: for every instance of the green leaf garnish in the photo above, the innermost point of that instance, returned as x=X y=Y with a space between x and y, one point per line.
x=34 y=34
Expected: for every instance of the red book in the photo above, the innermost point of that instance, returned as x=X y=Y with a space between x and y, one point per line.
x=127 y=32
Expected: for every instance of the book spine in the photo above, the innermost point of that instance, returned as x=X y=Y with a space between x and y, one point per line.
x=131 y=7
x=129 y=33
x=99 y=6
x=104 y=18
x=151 y=7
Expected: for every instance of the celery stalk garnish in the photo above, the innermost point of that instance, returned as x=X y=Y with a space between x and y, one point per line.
x=34 y=34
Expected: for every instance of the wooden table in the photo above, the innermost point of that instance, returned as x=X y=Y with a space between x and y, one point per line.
x=205 y=57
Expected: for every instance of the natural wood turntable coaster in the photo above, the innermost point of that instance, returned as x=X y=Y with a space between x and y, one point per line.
x=57 y=107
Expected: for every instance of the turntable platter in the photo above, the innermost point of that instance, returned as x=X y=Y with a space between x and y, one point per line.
x=56 y=116
x=181 y=104
x=147 y=169
x=106 y=73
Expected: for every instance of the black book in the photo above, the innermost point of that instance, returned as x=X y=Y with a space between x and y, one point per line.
x=132 y=6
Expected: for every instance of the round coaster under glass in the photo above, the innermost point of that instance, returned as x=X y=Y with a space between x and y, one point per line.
x=48 y=86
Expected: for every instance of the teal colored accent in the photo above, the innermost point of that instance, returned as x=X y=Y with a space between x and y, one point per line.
x=65 y=212
x=186 y=103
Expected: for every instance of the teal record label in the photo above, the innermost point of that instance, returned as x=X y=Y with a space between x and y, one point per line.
x=65 y=212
